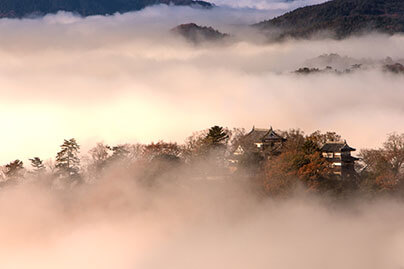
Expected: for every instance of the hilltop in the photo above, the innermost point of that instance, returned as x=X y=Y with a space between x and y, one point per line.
x=342 y=18
x=197 y=34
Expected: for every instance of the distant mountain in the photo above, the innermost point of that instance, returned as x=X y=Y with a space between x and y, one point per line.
x=341 y=62
x=197 y=34
x=22 y=8
x=340 y=17
x=396 y=68
x=334 y=63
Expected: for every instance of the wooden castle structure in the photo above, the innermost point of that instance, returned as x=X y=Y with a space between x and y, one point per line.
x=262 y=144
x=340 y=157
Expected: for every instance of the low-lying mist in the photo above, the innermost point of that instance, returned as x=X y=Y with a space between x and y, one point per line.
x=118 y=223
x=268 y=4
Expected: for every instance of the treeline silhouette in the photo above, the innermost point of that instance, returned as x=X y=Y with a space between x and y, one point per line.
x=204 y=156
x=23 y=8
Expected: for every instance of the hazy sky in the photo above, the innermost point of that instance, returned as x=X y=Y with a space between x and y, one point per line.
x=124 y=78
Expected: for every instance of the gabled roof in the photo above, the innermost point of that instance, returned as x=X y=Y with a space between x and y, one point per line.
x=250 y=142
x=255 y=135
x=272 y=136
x=258 y=135
x=239 y=150
x=336 y=147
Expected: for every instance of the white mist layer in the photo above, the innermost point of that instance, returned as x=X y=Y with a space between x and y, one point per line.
x=124 y=78
x=268 y=4
x=118 y=225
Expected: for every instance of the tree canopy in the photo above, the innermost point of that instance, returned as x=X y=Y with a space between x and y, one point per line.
x=67 y=159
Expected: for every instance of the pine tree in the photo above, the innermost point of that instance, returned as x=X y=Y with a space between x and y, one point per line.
x=215 y=145
x=67 y=160
x=217 y=136
x=14 y=170
x=38 y=165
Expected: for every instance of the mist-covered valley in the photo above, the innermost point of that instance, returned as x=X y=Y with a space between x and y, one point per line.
x=137 y=214
x=147 y=184
x=141 y=78
x=118 y=224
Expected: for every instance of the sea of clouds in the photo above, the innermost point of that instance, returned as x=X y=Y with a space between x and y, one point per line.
x=116 y=223
x=126 y=78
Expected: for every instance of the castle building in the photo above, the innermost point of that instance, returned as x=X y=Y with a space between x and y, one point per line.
x=339 y=155
x=261 y=142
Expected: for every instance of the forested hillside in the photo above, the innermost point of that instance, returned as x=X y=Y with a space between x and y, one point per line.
x=21 y=8
x=342 y=18
x=197 y=34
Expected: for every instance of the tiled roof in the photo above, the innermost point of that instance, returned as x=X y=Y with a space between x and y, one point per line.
x=272 y=136
x=336 y=147
x=257 y=136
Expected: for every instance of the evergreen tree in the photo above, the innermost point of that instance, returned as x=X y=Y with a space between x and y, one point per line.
x=67 y=160
x=38 y=165
x=14 y=170
x=217 y=136
x=214 y=148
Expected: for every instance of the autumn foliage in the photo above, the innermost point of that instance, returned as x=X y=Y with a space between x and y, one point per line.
x=205 y=156
x=300 y=162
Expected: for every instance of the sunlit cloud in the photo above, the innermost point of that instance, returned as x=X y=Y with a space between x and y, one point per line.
x=125 y=78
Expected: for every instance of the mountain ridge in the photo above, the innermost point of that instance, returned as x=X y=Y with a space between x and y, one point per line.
x=342 y=18
x=26 y=8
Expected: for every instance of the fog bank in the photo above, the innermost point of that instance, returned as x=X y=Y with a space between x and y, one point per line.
x=268 y=4
x=117 y=224
x=125 y=78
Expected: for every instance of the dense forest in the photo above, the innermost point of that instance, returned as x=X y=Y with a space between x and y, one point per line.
x=339 y=17
x=22 y=8
x=204 y=157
